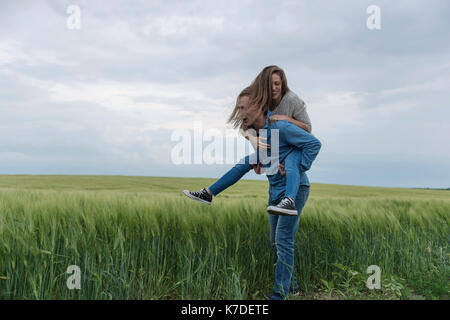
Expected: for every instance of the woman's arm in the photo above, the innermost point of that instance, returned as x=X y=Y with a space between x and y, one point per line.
x=298 y=123
x=293 y=109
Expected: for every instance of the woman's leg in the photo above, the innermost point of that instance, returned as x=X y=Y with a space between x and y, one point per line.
x=292 y=168
x=232 y=176
x=283 y=231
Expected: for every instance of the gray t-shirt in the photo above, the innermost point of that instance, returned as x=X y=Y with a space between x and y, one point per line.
x=292 y=106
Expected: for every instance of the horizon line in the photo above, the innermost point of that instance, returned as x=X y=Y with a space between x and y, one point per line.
x=174 y=177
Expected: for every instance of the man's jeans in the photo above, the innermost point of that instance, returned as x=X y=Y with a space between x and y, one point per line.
x=282 y=234
x=282 y=228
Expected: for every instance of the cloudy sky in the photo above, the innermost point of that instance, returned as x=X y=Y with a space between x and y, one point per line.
x=106 y=98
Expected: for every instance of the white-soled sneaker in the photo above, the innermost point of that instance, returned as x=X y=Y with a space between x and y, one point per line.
x=286 y=207
x=202 y=196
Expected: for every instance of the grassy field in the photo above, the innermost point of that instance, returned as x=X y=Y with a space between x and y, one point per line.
x=140 y=238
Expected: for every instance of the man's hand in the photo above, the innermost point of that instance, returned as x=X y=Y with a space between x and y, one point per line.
x=277 y=117
x=281 y=167
x=257 y=168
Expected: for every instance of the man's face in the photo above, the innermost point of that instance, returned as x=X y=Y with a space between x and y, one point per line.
x=246 y=113
x=276 y=88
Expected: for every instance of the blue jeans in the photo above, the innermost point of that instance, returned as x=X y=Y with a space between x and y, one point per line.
x=282 y=235
x=282 y=228
x=291 y=166
x=231 y=177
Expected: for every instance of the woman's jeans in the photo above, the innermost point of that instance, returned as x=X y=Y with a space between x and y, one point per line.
x=231 y=177
x=291 y=166
x=282 y=236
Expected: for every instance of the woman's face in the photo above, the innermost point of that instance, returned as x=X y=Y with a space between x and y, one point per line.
x=276 y=88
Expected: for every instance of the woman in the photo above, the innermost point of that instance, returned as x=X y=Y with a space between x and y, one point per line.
x=269 y=91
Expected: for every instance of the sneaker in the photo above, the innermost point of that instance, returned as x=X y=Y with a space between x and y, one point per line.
x=203 y=196
x=286 y=207
x=295 y=292
x=273 y=296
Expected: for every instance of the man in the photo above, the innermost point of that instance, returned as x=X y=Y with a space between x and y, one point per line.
x=292 y=141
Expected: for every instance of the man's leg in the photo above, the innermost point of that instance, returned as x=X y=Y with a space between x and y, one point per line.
x=273 y=221
x=284 y=234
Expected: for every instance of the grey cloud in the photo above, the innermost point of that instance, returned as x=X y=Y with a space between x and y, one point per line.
x=217 y=48
x=112 y=43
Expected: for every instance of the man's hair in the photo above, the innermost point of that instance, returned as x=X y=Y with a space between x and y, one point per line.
x=235 y=118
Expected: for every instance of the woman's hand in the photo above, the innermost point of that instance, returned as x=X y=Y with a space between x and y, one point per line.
x=278 y=117
x=282 y=171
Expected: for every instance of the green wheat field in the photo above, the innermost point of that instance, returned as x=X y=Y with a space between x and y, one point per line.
x=140 y=238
